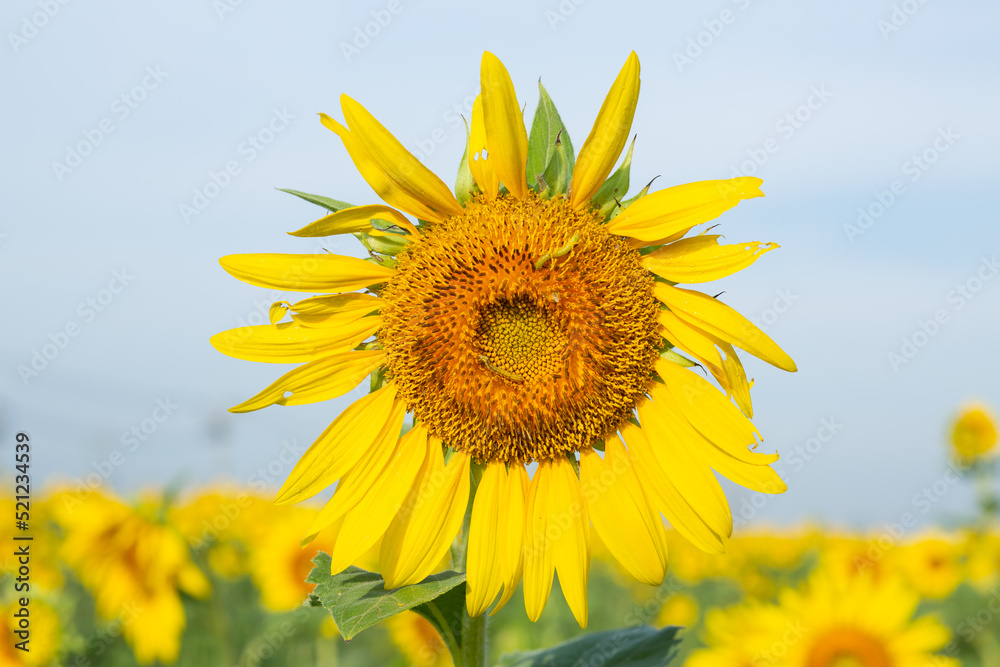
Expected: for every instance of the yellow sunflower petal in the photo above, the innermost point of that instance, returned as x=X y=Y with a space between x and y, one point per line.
x=725 y=366
x=368 y=521
x=506 y=138
x=484 y=572
x=690 y=339
x=622 y=514
x=365 y=474
x=316 y=381
x=734 y=378
x=354 y=220
x=479 y=164
x=607 y=138
x=691 y=477
x=340 y=446
x=423 y=530
x=305 y=273
x=700 y=259
x=511 y=537
x=335 y=310
x=291 y=342
x=557 y=525
x=761 y=478
x=393 y=172
x=667 y=212
x=708 y=410
x=723 y=322
x=665 y=497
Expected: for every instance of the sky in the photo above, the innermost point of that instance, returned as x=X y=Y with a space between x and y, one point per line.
x=144 y=141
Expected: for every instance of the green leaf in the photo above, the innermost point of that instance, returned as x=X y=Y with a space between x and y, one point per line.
x=555 y=180
x=641 y=646
x=677 y=358
x=628 y=202
x=332 y=205
x=545 y=128
x=358 y=600
x=445 y=613
x=464 y=184
x=613 y=189
x=383 y=245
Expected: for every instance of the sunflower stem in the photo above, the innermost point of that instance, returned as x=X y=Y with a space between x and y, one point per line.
x=474 y=639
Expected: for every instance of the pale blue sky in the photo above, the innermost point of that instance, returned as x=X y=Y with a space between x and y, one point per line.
x=198 y=81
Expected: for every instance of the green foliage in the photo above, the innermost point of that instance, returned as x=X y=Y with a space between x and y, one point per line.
x=611 y=192
x=332 y=205
x=640 y=646
x=546 y=127
x=357 y=599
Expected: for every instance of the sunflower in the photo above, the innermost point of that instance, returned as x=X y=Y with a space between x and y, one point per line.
x=528 y=319
x=418 y=641
x=833 y=622
x=135 y=566
x=973 y=434
x=933 y=565
x=43 y=637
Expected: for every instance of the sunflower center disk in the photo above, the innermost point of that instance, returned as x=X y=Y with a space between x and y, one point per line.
x=520 y=341
x=520 y=330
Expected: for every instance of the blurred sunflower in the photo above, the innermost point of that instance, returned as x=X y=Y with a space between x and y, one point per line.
x=834 y=622
x=983 y=558
x=278 y=564
x=417 y=639
x=134 y=565
x=933 y=565
x=529 y=320
x=43 y=641
x=974 y=434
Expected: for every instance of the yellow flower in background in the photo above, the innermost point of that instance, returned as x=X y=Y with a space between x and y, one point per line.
x=933 y=566
x=518 y=326
x=418 y=641
x=974 y=433
x=43 y=640
x=851 y=555
x=134 y=565
x=833 y=622
x=680 y=609
x=278 y=564
x=221 y=522
x=983 y=559
x=738 y=636
x=45 y=572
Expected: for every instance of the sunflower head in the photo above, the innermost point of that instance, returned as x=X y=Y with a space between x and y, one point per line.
x=532 y=316
x=974 y=434
x=520 y=330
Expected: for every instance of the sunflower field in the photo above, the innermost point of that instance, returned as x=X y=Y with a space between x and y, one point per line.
x=217 y=577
